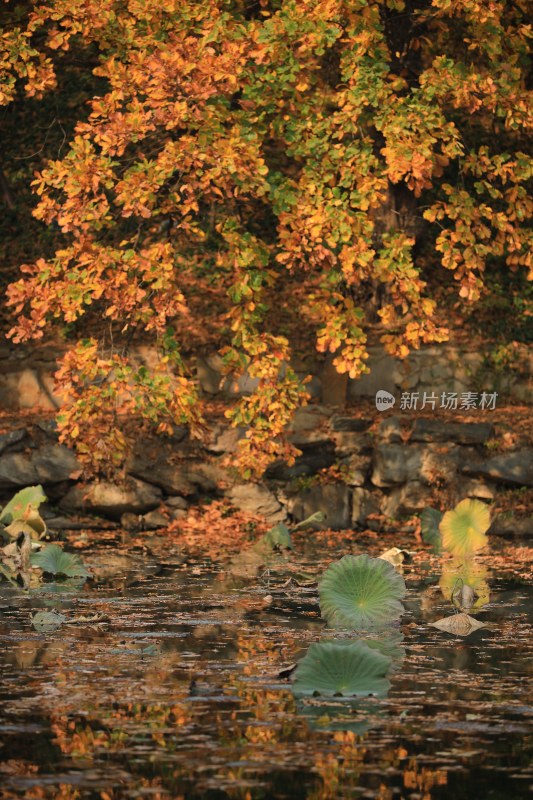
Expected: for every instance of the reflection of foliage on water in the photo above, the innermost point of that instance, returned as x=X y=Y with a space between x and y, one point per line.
x=113 y=727
x=339 y=770
x=464 y=583
x=422 y=778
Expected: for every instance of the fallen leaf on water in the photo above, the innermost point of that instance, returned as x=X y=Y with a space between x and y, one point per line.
x=395 y=556
x=458 y=624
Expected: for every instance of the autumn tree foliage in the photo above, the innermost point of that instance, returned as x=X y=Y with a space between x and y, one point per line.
x=238 y=158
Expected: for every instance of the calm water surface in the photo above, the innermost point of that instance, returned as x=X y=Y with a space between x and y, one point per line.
x=180 y=694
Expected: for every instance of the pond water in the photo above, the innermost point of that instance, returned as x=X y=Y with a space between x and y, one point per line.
x=183 y=692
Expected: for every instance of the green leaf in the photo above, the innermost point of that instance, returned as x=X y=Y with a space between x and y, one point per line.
x=18 y=505
x=342 y=668
x=318 y=517
x=278 y=537
x=359 y=592
x=464 y=529
x=46 y=621
x=55 y=561
x=430 y=519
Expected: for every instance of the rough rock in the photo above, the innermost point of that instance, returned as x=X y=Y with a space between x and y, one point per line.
x=390 y=431
x=209 y=372
x=476 y=489
x=309 y=418
x=429 y=430
x=177 y=502
x=56 y=463
x=17 y=470
x=224 y=438
x=363 y=504
x=254 y=499
x=512 y=527
x=314 y=458
x=154 y=520
x=354 y=424
x=351 y=442
x=332 y=499
x=408 y=499
x=395 y=464
x=172 y=478
x=111 y=500
x=13 y=440
x=355 y=469
x=514 y=468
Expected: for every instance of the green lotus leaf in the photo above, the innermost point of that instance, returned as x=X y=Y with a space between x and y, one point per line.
x=18 y=505
x=47 y=621
x=360 y=592
x=430 y=519
x=278 y=537
x=54 y=560
x=341 y=668
x=464 y=529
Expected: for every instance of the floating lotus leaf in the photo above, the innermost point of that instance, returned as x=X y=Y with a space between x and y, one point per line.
x=341 y=668
x=463 y=529
x=54 y=560
x=430 y=519
x=458 y=624
x=359 y=592
x=47 y=621
x=18 y=505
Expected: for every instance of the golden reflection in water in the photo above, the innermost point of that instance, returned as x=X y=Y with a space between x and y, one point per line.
x=459 y=573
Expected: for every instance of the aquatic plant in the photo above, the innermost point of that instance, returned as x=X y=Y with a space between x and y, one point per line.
x=54 y=561
x=430 y=519
x=360 y=591
x=21 y=514
x=464 y=529
x=460 y=531
x=342 y=668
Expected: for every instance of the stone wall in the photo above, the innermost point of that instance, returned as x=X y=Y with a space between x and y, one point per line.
x=351 y=469
x=26 y=375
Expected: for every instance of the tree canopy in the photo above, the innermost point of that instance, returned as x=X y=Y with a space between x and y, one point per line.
x=259 y=168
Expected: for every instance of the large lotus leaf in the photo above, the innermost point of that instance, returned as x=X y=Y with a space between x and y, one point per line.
x=460 y=576
x=341 y=668
x=54 y=560
x=463 y=529
x=360 y=592
x=18 y=505
x=430 y=519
